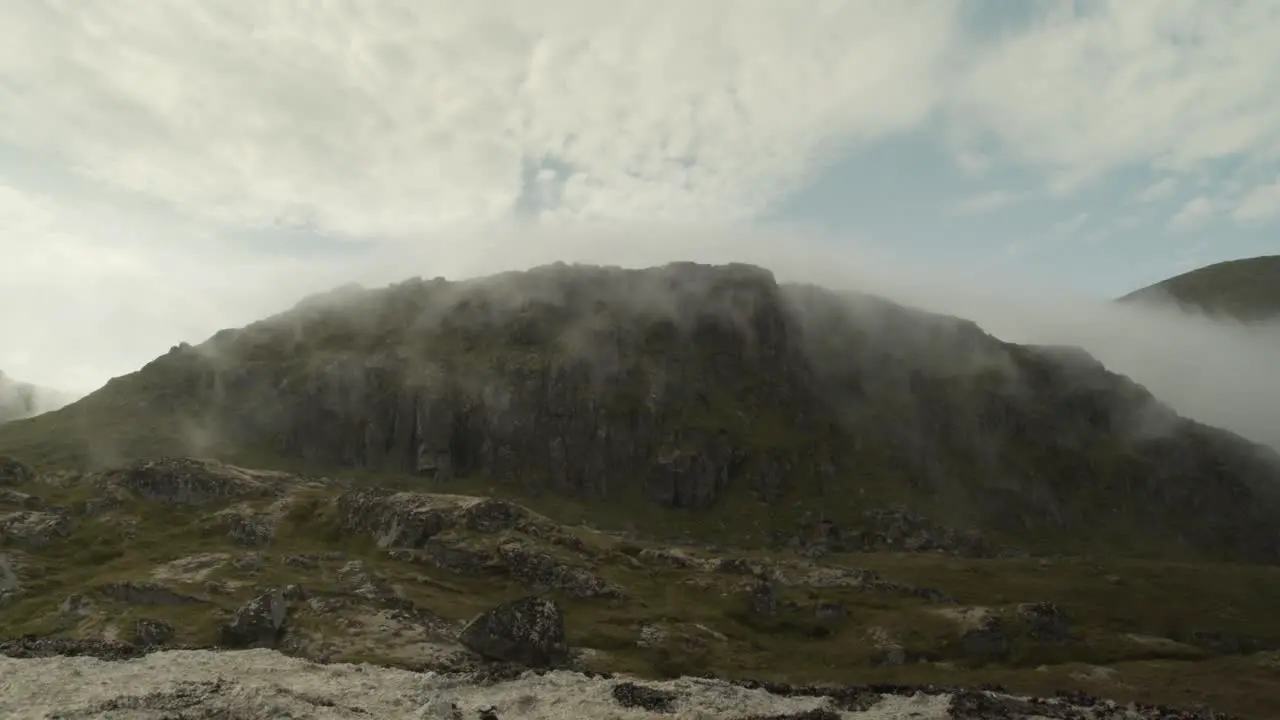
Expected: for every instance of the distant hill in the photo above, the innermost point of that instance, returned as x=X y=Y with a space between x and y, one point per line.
x=22 y=400
x=1247 y=290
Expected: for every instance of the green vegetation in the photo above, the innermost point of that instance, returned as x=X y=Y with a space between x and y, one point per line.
x=1246 y=289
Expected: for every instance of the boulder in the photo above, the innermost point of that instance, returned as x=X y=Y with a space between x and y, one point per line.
x=528 y=631
x=258 y=623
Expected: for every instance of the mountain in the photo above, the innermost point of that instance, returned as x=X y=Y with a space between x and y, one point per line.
x=692 y=400
x=21 y=400
x=1247 y=290
x=634 y=476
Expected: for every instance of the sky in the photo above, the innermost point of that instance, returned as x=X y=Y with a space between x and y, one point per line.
x=171 y=169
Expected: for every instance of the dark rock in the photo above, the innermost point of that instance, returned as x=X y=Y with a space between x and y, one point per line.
x=763 y=597
x=830 y=612
x=306 y=562
x=528 y=631
x=148 y=632
x=487 y=713
x=814 y=714
x=630 y=695
x=258 y=623
x=145 y=594
x=1046 y=622
x=14 y=471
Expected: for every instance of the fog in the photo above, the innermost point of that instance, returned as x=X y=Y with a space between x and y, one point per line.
x=1211 y=369
x=1214 y=370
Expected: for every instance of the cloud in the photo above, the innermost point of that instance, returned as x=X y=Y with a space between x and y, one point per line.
x=1194 y=214
x=1094 y=86
x=984 y=202
x=1259 y=205
x=1158 y=190
x=397 y=117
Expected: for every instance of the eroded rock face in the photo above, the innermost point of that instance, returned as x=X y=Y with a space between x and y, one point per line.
x=258 y=623
x=528 y=631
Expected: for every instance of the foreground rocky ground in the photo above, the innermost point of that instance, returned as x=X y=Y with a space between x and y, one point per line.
x=265 y=684
x=328 y=599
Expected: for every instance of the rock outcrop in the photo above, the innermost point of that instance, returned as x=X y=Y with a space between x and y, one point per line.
x=258 y=623
x=13 y=471
x=528 y=631
x=188 y=481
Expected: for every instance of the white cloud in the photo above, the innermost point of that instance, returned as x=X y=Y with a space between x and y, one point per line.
x=1194 y=214
x=1158 y=190
x=394 y=117
x=984 y=202
x=1095 y=86
x=417 y=128
x=1260 y=205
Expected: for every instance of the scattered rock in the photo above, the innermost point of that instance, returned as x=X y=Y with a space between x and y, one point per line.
x=26 y=501
x=14 y=471
x=631 y=695
x=30 y=646
x=34 y=528
x=258 y=623
x=306 y=562
x=248 y=528
x=528 y=631
x=148 y=632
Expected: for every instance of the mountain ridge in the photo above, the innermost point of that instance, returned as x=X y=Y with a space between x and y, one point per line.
x=711 y=390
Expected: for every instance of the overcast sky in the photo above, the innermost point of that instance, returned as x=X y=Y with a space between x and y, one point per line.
x=168 y=169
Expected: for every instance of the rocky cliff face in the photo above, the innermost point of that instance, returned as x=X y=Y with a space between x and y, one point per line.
x=692 y=386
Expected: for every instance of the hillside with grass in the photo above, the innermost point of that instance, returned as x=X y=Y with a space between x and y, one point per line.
x=1247 y=290
x=682 y=470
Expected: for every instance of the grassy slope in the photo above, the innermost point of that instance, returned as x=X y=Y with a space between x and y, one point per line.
x=1107 y=600
x=1246 y=289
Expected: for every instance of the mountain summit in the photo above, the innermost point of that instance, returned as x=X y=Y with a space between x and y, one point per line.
x=711 y=392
